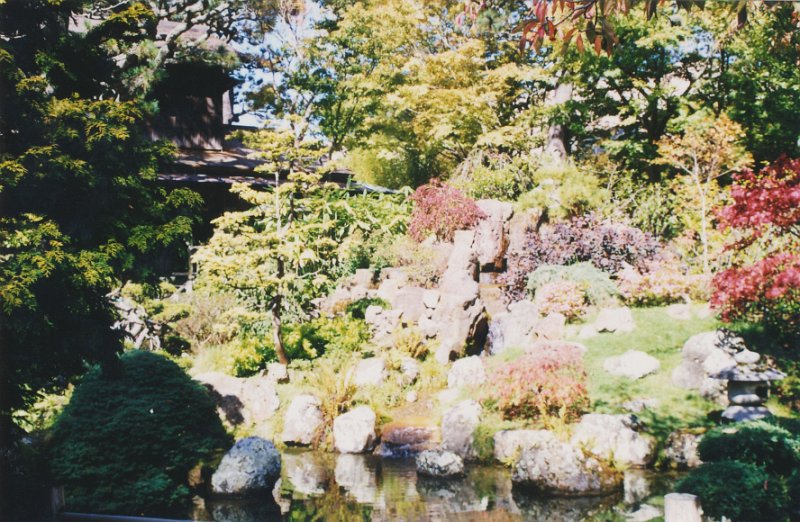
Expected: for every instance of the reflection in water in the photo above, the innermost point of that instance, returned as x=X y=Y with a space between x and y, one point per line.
x=326 y=487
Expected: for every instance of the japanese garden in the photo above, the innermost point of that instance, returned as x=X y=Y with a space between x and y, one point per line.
x=399 y=260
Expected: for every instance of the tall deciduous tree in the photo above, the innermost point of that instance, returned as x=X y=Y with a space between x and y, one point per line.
x=278 y=254
x=707 y=150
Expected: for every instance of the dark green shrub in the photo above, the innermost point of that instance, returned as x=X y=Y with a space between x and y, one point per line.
x=129 y=437
x=737 y=490
x=760 y=443
x=358 y=308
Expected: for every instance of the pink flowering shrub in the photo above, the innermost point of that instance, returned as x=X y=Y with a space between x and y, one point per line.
x=563 y=297
x=765 y=209
x=440 y=210
x=661 y=284
x=545 y=385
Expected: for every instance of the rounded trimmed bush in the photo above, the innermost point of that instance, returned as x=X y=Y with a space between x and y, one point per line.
x=760 y=443
x=737 y=490
x=128 y=438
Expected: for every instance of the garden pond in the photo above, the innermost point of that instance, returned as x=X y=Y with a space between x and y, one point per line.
x=322 y=486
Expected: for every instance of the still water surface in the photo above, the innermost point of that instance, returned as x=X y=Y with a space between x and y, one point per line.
x=326 y=487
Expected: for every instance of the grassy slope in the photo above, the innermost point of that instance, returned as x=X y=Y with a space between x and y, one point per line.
x=662 y=337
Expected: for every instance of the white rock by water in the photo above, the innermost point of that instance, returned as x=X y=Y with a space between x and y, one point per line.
x=560 y=468
x=252 y=465
x=614 y=436
x=440 y=464
x=354 y=431
x=509 y=444
x=458 y=427
x=632 y=364
x=303 y=419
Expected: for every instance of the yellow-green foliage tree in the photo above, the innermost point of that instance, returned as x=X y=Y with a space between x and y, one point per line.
x=277 y=254
x=707 y=150
x=292 y=243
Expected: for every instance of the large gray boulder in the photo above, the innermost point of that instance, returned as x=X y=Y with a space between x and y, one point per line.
x=441 y=464
x=251 y=466
x=458 y=427
x=354 y=431
x=466 y=372
x=462 y=326
x=632 y=364
x=303 y=419
x=614 y=437
x=491 y=236
x=560 y=468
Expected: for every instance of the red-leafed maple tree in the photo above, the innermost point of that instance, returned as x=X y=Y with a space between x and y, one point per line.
x=587 y=23
x=764 y=281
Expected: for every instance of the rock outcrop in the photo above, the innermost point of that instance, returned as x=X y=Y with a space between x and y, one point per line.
x=491 y=235
x=370 y=372
x=509 y=444
x=246 y=401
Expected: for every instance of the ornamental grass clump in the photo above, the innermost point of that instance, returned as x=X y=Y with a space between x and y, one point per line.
x=548 y=385
x=440 y=210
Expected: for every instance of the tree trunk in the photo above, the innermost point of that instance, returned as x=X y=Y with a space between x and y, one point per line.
x=556 y=146
x=703 y=223
x=277 y=337
x=275 y=310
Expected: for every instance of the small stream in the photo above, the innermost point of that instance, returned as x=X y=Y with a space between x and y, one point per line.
x=322 y=487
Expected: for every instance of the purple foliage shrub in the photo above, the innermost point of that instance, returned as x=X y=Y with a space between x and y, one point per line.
x=609 y=246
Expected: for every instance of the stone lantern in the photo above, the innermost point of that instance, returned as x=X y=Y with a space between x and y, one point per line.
x=748 y=390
